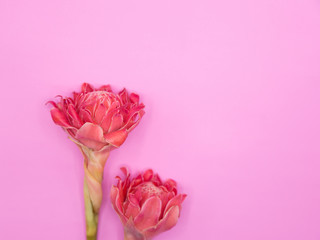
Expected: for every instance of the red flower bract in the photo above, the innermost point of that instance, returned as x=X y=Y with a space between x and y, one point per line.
x=98 y=118
x=146 y=205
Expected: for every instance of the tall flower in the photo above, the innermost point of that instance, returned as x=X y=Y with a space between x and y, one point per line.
x=97 y=120
x=146 y=205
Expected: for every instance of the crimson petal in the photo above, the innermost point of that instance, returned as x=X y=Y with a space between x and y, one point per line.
x=116 y=138
x=134 y=98
x=105 y=88
x=74 y=116
x=59 y=118
x=116 y=203
x=148 y=175
x=86 y=87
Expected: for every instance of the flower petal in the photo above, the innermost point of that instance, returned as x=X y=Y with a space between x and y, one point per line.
x=156 y=180
x=133 y=207
x=116 y=203
x=149 y=215
x=175 y=201
x=148 y=175
x=91 y=135
x=123 y=96
x=133 y=118
x=105 y=88
x=105 y=123
x=116 y=123
x=86 y=87
x=100 y=113
x=171 y=185
x=85 y=115
x=134 y=98
x=74 y=116
x=59 y=118
x=168 y=222
x=137 y=121
x=116 y=138
x=125 y=171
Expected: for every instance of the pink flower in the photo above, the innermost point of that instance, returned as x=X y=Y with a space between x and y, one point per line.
x=98 y=118
x=146 y=205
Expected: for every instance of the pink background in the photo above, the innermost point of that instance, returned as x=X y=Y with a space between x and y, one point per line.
x=232 y=97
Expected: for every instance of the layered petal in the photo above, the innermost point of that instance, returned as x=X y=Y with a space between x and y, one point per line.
x=133 y=117
x=149 y=214
x=123 y=96
x=147 y=176
x=105 y=88
x=91 y=135
x=116 y=123
x=59 y=118
x=76 y=121
x=175 y=201
x=117 y=204
x=100 y=112
x=86 y=87
x=134 y=98
x=116 y=138
x=168 y=222
x=171 y=185
x=132 y=208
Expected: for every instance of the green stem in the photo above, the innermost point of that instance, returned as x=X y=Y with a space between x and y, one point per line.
x=91 y=216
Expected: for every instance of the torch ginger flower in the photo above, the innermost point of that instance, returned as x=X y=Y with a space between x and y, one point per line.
x=97 y=120
x=146 y=205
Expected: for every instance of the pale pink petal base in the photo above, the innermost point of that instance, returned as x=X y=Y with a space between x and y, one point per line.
x=149 y=214
x=168 y=222
x=91 y=135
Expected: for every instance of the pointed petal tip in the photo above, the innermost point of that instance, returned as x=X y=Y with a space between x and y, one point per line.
x=116 y=203
x=86 y=87
x=125 y=171
x=59 y=118
x=148 y=174
x=105 y=88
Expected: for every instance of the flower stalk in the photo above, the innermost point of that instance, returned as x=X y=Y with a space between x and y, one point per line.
x=91 y=216
x=94 y=162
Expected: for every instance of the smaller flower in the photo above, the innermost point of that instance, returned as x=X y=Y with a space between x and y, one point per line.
x=146 y=205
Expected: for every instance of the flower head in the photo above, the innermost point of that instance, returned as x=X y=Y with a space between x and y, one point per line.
x=146 y=205
x=98 y=118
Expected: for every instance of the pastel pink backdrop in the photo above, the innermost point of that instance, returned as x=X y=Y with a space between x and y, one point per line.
x=232 y=97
